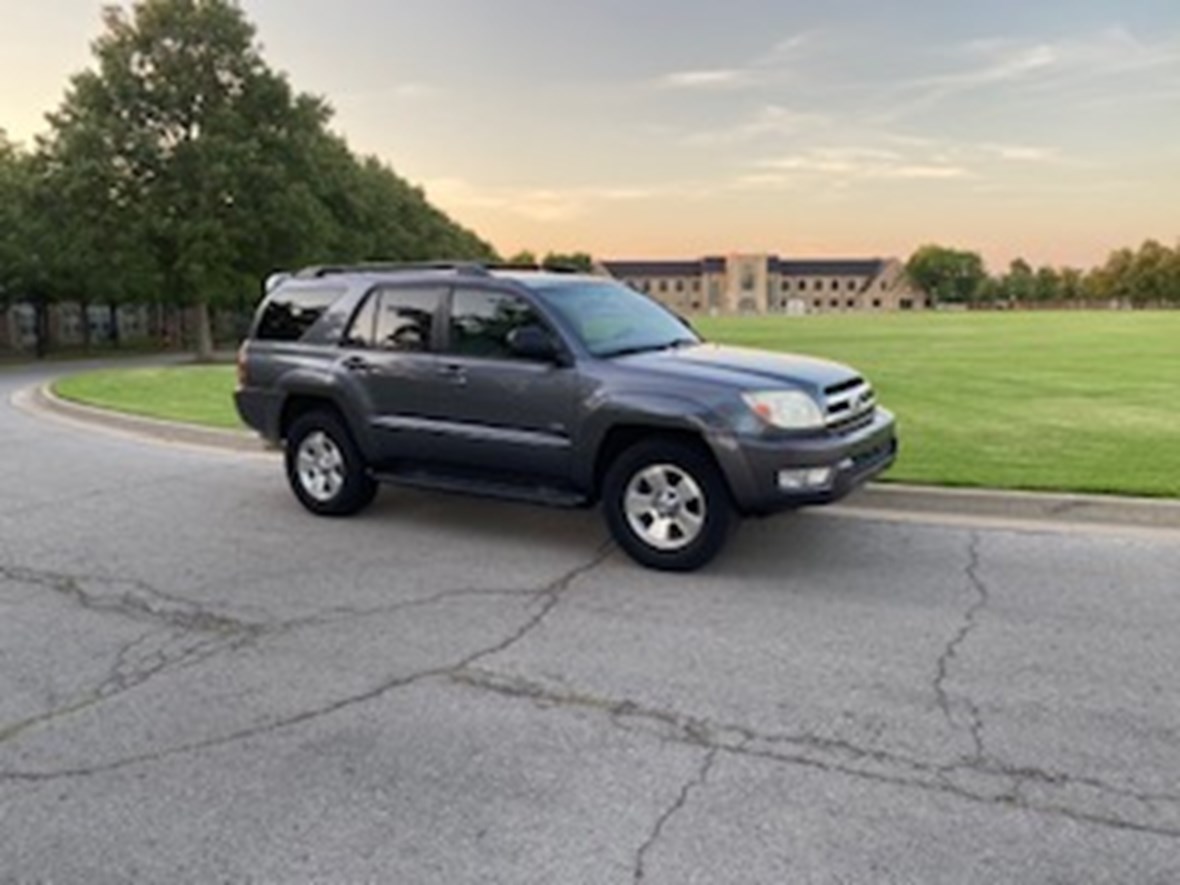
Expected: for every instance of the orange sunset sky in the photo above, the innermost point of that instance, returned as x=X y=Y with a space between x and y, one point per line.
x=676 y=128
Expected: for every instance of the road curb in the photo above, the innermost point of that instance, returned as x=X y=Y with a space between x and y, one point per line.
x=1027 y=507
x=44 y=399
x=884 y=498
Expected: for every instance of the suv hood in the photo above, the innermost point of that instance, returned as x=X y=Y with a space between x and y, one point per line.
x=743 y=368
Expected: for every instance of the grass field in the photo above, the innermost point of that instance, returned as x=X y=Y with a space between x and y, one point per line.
x=194 y=394
x=1067 y=401
x=1082 y=401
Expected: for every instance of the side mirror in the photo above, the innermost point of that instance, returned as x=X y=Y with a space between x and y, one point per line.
x=532 y=343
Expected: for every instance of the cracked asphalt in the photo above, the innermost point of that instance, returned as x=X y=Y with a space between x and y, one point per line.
x=199 y=682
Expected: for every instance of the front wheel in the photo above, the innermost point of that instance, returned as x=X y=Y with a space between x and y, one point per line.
x=325 y=468
x=667 y=505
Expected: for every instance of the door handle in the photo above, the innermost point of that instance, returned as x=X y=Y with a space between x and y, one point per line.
x=453 y=372
x=357 y=364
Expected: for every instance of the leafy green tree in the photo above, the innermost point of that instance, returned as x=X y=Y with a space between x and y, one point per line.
x=949 y=275
x=1073 y=286
x=215 y=170
x=1149 y=275
x=1019 y=283
x=579 y=261
x=524 y=258
x=1047 y=285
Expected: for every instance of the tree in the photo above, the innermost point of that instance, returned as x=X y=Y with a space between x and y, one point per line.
x=214 y=171
x=579 y=261
x=1019 y=283
x=1047 y=285
x=949 y=275
x=525 y=258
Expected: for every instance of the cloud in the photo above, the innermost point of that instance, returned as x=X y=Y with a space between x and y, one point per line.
x=724 y=78
x=768 y=122
x=1021 y=153
x=768 y=67
x=843 y=165
x=1106 y=57
x=542 y=203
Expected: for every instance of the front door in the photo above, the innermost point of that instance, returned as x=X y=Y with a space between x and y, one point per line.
x=509 y=414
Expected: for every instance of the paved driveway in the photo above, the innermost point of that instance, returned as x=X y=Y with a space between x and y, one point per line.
x=199 y=682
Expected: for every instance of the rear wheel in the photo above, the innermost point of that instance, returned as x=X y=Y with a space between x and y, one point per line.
x=667 y=505
x=325 y=467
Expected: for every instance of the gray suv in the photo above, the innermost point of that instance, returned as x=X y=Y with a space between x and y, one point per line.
x=559 y=389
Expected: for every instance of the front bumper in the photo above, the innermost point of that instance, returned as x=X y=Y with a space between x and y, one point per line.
x=752 y=464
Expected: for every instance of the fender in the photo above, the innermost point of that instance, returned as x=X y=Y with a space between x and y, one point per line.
x=658 y=410
x=350 y=399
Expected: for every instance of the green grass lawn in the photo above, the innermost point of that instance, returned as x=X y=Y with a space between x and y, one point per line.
x=194 y=394
x=1080 y=401
x=1068 y=401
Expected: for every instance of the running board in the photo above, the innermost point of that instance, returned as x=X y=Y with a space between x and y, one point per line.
x=531 y=493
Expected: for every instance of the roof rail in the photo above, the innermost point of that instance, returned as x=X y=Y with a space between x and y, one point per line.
x=473 y=268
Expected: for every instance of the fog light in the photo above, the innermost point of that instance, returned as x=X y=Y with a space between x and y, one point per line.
x=804 y=479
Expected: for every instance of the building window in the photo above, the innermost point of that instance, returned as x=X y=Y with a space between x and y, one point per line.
x=835 y=302
x=877 y=303
x=802 y=285
x=680 y=285
x=696 y=285
x=851 y=302
x=818 y=304
x=663 y=285
x=906 y=304
x=851 y=285
x=835 y=285
x=884 y=285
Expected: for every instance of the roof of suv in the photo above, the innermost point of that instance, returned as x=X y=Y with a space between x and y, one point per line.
x=527 y=275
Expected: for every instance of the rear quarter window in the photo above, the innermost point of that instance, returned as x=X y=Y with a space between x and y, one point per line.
x=288 y=315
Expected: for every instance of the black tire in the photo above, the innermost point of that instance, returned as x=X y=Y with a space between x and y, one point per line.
x=333 y=479
x=694 y=519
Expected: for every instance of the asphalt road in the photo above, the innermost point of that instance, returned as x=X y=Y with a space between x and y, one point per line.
x=200 y=683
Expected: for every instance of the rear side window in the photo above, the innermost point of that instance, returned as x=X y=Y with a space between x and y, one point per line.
x=289 y=314
x=404 y=320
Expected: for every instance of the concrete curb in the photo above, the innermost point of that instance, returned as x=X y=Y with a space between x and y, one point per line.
x=1029 y=508
x=1023 y=507
x=44 y=399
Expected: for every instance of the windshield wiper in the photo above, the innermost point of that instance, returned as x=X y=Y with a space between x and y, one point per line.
x=674 y=344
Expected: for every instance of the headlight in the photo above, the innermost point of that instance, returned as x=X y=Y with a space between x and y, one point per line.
x=788 y=409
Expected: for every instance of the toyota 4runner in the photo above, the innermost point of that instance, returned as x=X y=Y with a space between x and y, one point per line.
x=554 y=388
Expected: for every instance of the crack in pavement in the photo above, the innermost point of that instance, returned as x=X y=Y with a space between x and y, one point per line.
x=979 y=781
x=551 y=594
x=698 y=781
x=132 y=599
x=982 y=598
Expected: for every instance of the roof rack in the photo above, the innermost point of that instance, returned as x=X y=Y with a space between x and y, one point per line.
x=473 y=268
x=470 y=268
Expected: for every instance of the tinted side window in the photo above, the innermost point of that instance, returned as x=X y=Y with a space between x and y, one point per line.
x=288 y=315
x=361 y=332
x=405 y=318
x=482 y=320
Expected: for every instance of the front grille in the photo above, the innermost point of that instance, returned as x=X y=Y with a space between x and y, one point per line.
x=849 y=404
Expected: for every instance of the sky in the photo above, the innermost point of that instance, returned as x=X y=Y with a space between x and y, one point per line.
x=680 y=128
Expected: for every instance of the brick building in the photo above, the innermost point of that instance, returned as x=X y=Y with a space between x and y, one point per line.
x=761 y=284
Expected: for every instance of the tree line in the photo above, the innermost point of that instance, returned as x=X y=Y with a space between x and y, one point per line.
x=181 y=169
x=1145 y=277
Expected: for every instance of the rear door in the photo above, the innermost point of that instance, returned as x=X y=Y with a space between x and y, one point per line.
x=389 y=353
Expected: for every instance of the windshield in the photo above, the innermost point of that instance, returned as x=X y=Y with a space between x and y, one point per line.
x=612 y=320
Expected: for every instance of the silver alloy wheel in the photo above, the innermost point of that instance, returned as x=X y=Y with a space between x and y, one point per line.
x=320 y=465
x=665 y=507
